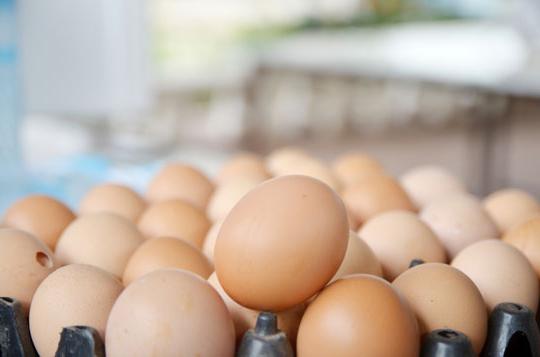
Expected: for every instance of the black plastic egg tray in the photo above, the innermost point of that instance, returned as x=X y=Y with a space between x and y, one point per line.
x=513 y=331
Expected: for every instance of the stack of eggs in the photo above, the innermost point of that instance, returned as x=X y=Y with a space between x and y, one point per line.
x=186 y=268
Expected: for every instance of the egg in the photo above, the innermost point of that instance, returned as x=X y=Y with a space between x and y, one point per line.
x=113 y=198
x=24 y=262
x=104 y=240
x=426 y=184
x=526 y=238
x=459 y=221
x=284 y=159
x=398 y=237
x=227 y=195
x=210 y=240
x=361 y=315
x=169 y=313
x=443 y=297
x=501 y=272
x=281 y=243
x=374 y=195
x=313 y=168
x=175 y=218
x=359 y=258
x=510 y=207
x=42 y=216
x=163 y=253
x=352 y=168
x=72 y=295
x=245 y=319
x=243 y=166
x=178 y=181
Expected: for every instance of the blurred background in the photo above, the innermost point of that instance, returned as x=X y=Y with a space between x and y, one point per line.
x=94 y=90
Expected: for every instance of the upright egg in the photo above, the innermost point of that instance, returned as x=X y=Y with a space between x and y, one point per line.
x=113 y=198
x=104 y=240
x=178 y=181
x=459 y=221
x=281 y=243
x=374 y=195
x=243 y=166
x=360 y=315
x=24 y=262
x=510 y=207
x=426 y=184
x=175 y=218
x=398 y=237
x=444 y=297
x=359 y=259
x=169 y=313
x=526 y=238
x=284 y=159
x=72 y=295
x=42 y=216
x=161 y=253
x=501 y=272
x=227 y=195
x=352 y=168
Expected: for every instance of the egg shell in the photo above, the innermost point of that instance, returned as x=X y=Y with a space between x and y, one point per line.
x=459 y=221
x=359 y=259
x=282 y=160
x=501 y=272
x=245 y=319
x=361 y=315
x=243 y=166
x=227 y=195
x=113 y=198
x=510 y=207
x=313 y=168
x=210 y=240
x=72 y=295
x=444 y=297
x=398 y=237
x=104 y=240
x=42 y=216
x=374 y=195
x=169 y=313
x=179 y=181
x=161 y=253
x=175 y=218
x=24 y=262
x=281 y=243
x=526 y=238
x=352 y=168
x=427 y=184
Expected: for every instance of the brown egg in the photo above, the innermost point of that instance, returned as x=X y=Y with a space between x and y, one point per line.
x=24 y=262
x=245 y=319
x=313 y=168
x=42 y=216
x=374 y=195
x=175 y=218
x=398 y=237
x=501 y=273
x=72 y=295
x=426 y=184
x=210 y=240
x=113 y=198
x=244 y=165
x=104 y=240
x=510 y=207
x=169 y=313
x=163 y=253
x=178 y=181
x=284 y=160
x=361 y=315
x=352 y=168
x=526 y=238
x=359 y=259
x=459 y=221
x=227 y=195
x=444 y=297
x=281 y=243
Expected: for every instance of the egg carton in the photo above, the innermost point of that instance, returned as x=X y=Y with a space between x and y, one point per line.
x=512 y=331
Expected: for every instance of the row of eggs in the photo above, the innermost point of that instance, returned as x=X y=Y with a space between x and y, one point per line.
x=280 y=242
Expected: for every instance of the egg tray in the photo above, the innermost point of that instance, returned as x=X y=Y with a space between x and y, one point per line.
x=512 y=331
